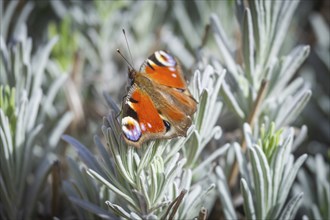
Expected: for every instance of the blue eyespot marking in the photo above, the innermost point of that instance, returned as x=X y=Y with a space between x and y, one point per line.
x=131 y=129
x=165 y=58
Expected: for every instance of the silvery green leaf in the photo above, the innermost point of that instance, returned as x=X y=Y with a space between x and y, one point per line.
x=248 y=135
x=59 y=8
x=231 y=100
x=186 y=180
x=248 y=43
x=118 y=210
x=242 y=163
x=277 y=165
x=33 y=108
x=111 y=186
x=20 y=134
x=5 y=135
x=288 y=112
x=225 y=197
x=83 y=152
x=171 y=164
x=292 y=207
x=202 y=108
x=289 y=66
x=288 y=180
x=21 y=20
x=191 y=198
x=195 y=84
x=222 y=44
x=6 y=16
x=186 y=25
x=194 y=142
x=259 y=183
x=282 y=26
x=135 y=216
x=290 y=89
x=266 y=176
x=177 y=145
x=211 y=158
x=248 y=200
x=41 y=59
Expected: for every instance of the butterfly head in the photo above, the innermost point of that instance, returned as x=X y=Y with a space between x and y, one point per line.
x=131 y=73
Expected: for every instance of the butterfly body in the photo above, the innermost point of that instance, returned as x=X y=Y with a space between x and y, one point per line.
x=158 y=104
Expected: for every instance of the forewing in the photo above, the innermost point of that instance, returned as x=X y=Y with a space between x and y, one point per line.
x=163 y=69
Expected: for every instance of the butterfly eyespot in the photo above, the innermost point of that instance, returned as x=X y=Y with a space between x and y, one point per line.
x=131 y=129
x=164 y=58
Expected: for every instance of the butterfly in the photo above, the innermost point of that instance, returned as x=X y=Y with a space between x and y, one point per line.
x=158 y=104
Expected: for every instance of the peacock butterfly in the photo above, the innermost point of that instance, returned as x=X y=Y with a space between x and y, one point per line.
x=158 y=104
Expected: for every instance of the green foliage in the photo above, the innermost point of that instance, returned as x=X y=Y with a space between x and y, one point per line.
x=64 y=51
x=28 y=136
x=265 y=182
x=269 y=140
x=7 y=104
x=272 y=179
x=264 y=77
x=259 y=91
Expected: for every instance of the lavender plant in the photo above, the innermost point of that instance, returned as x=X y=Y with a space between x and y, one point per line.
x=259 y=91
x=147 y=182
x=264 y=76
x=25 y=152
x=272 y=176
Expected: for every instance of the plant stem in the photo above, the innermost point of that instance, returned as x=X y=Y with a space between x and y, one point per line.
x=175 y=204
x=253 y=115
x=257 y=103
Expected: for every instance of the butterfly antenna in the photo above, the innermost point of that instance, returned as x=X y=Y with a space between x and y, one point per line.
x=129 y=64
x=129 y=50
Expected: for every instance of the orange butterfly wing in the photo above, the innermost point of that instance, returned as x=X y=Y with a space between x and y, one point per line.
x=163 y=69
x=140 y=118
